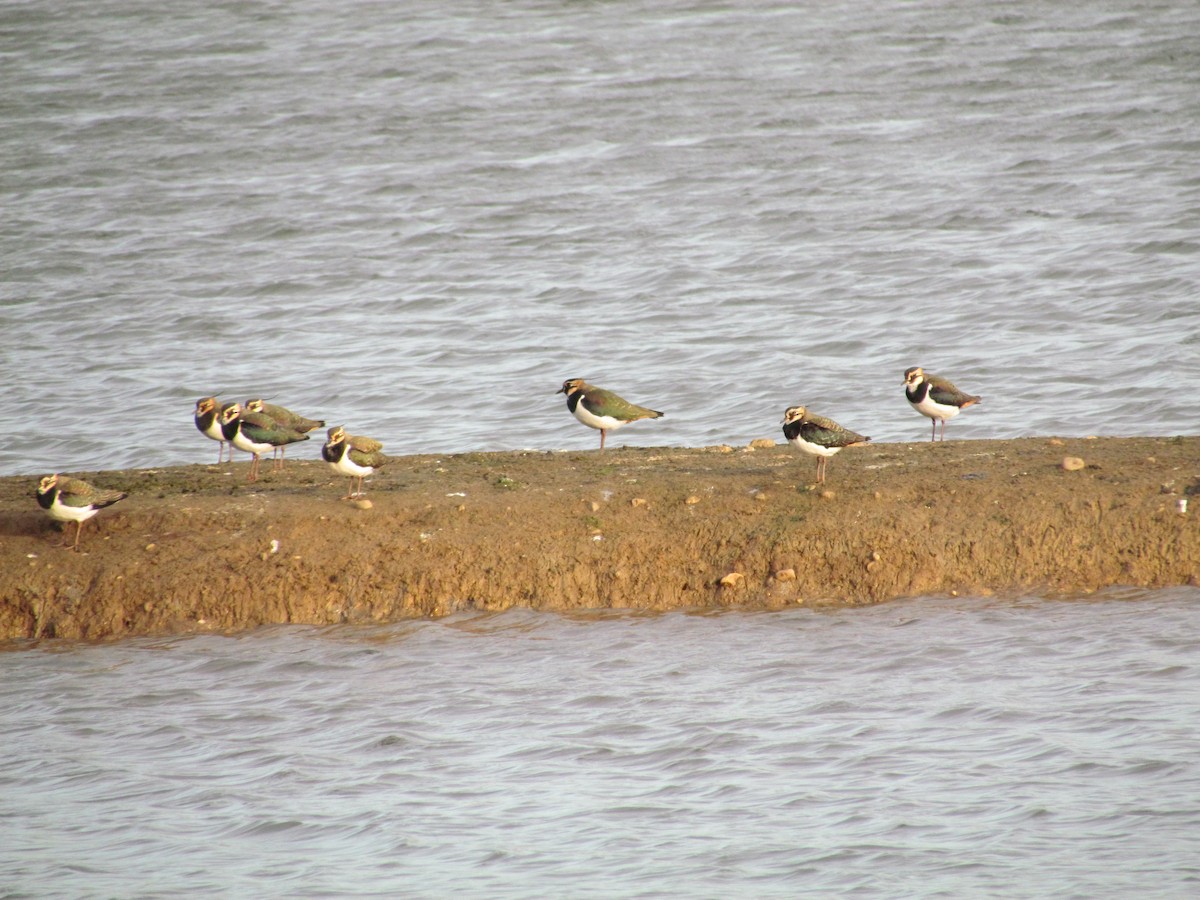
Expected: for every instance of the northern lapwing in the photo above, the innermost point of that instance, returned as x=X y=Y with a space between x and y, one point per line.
x=284 y=417
x=353 y=455
x=73 y=500
x=597 y=408
x=818 y=436
x=935 y=397
x=208 y=420
x=255 y=433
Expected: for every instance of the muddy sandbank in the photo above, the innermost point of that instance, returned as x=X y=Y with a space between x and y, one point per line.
x=197 y=548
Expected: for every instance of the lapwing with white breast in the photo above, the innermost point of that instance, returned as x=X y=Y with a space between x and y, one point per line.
x=818 y=436
x=255 y=433
x=935 y=397
x=601 y=409
x=354 y=456
x=73 y=500
x=208 y=420
x=285 y=417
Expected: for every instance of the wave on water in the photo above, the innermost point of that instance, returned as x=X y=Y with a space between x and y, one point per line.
x=930 y=746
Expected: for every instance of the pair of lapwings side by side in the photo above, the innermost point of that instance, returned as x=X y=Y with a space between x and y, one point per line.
x=928 y=394
x=602 y=409
x=818 y=436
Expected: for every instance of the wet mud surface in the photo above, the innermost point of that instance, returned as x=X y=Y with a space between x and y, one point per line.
x=197 y=548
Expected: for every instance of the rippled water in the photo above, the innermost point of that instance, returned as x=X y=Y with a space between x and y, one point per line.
x=419 y=218
x=922 y=748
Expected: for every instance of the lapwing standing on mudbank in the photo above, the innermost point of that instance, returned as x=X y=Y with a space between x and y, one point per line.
x=597 y=408
x=285 y=417
x=353 y=455
x=818 y=436
x=935 y=397
x=208 y=420
x=73 y=500
x=255 y=433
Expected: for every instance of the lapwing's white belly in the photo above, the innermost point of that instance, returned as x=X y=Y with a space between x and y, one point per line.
x=604 y=423
x=928 y=407
x=214 y=431
x=246 y=445
x=63 y=513
x=347 y=466
x=814 y=449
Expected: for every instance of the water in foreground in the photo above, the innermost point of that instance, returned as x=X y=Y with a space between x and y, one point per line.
x=928 y=747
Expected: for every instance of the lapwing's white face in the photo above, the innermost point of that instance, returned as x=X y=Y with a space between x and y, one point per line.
x=232 y=413
x=571 y=384
x=914 y=376
x=337 y=435
x=254 y=406
x=47 y=484
x=205 y=406
x=794 y=414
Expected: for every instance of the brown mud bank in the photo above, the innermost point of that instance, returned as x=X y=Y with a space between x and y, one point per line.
x=196 y=548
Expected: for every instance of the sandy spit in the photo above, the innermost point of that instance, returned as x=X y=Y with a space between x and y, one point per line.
x=197 y=548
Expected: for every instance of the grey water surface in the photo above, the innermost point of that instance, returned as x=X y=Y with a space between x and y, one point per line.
x=924 y=748
x=417 y=219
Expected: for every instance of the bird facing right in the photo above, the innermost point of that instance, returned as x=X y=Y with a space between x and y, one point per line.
x=935 y=397
x=818 y=436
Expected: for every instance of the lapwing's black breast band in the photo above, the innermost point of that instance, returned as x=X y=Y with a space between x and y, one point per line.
x=918 y=395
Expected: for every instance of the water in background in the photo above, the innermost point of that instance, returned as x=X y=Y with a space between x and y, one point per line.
x=418 y=218
x=925 y=748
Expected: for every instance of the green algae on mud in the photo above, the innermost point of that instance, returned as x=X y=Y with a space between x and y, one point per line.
x=196 y=548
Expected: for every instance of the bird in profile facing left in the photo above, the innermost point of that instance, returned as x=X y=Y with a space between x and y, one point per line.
x=601 y=409
x=935 y=397
x=353 y=455
x=285 y=417
x=255 y=433
x=208 y=420
x=818 y=436
x=73 y=500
